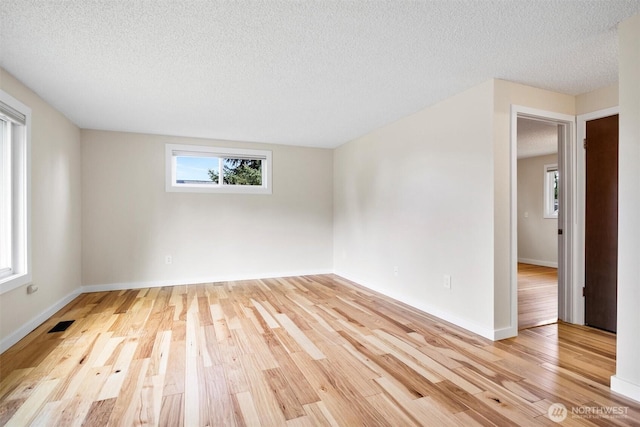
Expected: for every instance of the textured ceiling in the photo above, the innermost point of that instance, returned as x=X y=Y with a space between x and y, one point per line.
x=313 y=73
x=536 y=138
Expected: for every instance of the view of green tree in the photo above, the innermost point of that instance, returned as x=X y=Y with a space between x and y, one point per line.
x=213 y=175
x=239 y=172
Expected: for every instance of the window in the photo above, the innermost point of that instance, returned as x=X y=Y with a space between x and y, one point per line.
x=551 y=178
x=203 y=169
x=15 y=121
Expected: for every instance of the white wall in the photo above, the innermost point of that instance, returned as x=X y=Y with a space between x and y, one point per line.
x=627 y=378
x=55 y=217
x=130 y=223
x=417 y=194
x=537 y=235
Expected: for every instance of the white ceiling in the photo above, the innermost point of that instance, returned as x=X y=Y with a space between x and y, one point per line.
x=536 y=138
x=312 y=73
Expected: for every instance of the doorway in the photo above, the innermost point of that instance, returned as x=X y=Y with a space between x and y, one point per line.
x=565 y=126
x=538 y=176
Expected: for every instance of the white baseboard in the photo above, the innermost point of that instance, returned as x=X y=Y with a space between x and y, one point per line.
x=193 y=280
x=432 y=310
x=625 y=388
x=504 y=333
x=541 y=263
x=32 y=324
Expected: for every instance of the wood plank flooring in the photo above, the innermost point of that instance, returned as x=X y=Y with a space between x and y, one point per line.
x=537 y=295
x=302 y=351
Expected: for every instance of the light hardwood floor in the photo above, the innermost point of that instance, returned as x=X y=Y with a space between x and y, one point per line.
x=537 y=295
x=302 y=351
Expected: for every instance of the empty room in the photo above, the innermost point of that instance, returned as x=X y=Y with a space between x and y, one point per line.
x=319 y=213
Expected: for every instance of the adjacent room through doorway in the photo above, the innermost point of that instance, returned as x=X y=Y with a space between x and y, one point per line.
x=538 y=208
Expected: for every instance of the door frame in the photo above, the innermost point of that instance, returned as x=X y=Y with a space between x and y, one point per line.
x=578 y=313
x=568 y=200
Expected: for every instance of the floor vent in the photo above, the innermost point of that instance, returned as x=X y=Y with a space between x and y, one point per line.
x=61 y=326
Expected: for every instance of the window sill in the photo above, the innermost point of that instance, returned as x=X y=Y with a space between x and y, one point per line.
x=228 y=189
x=14 y=281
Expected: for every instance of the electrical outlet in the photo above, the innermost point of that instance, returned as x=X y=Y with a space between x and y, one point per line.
x=447 y=281
x=168 y=260
x=395 y=271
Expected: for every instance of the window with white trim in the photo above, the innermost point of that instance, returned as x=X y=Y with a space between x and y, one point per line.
x=551 y=185
x=15 y=121
x=204 y=169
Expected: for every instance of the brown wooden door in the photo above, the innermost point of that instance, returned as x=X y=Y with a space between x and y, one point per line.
x=601 y=228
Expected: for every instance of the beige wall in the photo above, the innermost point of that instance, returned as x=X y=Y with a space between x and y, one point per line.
x=537 y=235
x=55 y=218
x=627 y=378
x=130 y=223
x=417 y=194
x=599 y=99
x=431 y=195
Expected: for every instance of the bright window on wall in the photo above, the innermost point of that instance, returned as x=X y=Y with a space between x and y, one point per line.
x=15 y=120
x=203 y=169
x=551 y=182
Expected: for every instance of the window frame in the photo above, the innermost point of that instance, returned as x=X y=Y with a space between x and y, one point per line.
x=16 y=191
x=172 y=151
x=549 y=193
